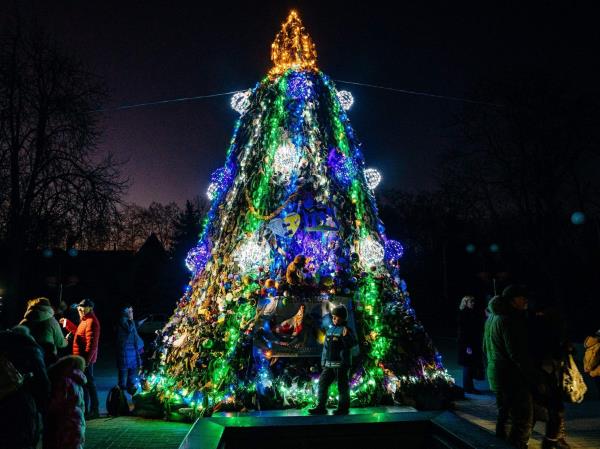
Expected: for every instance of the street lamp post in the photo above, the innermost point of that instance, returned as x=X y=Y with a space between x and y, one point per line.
x=60 y=256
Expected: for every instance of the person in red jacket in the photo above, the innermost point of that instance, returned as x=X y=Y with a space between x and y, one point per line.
x=85 y=344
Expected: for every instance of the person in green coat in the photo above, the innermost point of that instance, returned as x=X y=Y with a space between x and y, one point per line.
x=45 y=330
x=510 y=372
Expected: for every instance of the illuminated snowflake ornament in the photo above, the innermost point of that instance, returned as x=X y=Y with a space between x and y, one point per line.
x=197 y=258
x=252 y=254
x=370 y=252
x=211 y=192
x=300 y=86
x=343 y=168
x=220 y=180
x=393 y=250
x=346 y=99
x=240 y=101
x=285 y=160
x=373 y=178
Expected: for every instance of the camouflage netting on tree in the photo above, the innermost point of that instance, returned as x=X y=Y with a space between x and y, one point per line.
x=293 y=184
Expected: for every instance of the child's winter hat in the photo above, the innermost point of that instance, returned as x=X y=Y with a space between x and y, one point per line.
x=340 y=311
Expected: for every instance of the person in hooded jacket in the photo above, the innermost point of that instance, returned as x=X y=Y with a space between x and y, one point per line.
x=65 y=425
x=591 y=364
x=129 y=350
x=22 y=412
x=336 y=360
x=510 y=372
x=45 y=330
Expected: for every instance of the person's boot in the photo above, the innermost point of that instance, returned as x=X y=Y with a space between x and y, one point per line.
x=560 y=443
x=318 y=410
x=93 y=414
x=341 y=411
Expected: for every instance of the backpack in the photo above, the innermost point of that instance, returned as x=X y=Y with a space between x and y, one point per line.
x=116 y=402
x=591 y=357
x=573 y=386
x=10 y=378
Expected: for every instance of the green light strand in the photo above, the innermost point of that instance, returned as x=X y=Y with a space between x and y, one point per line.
x=272 y=142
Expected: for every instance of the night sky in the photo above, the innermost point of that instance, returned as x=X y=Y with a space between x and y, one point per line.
x=154 y=50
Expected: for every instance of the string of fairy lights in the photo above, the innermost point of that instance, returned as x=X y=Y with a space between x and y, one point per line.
x=240 y=103
x=355 y=83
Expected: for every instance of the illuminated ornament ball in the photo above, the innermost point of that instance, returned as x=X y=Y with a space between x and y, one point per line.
x=373 y=177
x=370 y=252
x=393 y=250
x=240 y=101
x=196 y=258
x=252 y=254
x=211 y=192
x=285 y=159
x=346 y=99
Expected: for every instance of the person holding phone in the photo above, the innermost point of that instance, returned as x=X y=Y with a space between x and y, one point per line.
x=85 y=344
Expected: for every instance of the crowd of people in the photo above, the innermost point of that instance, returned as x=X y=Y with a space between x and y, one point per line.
x=525 y=354
x=47 y=385
x=48 y=390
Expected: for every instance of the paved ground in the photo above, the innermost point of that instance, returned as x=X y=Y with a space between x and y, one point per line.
x=134 y=433
x=583 y=420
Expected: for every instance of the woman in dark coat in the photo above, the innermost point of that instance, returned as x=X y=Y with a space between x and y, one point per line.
x=129 y=349
x=470 y=336
x=22 y=411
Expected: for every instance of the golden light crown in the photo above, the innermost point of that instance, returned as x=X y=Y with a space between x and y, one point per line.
x=292 y=48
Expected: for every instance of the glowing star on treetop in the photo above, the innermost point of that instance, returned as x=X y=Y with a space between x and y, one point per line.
x=293 y=48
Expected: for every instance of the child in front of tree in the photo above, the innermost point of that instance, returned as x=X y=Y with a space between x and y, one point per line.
x=65 y=424
x=336 y=360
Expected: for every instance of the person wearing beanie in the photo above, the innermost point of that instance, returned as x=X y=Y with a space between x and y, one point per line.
x=129 y=350
x=336 y=360
x=85 y=344
x=510 y=372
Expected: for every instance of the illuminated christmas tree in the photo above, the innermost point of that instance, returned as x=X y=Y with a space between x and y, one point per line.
x=292 y=231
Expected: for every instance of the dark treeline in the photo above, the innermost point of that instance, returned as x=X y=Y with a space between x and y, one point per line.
x=57 y=193
x=504 y=209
